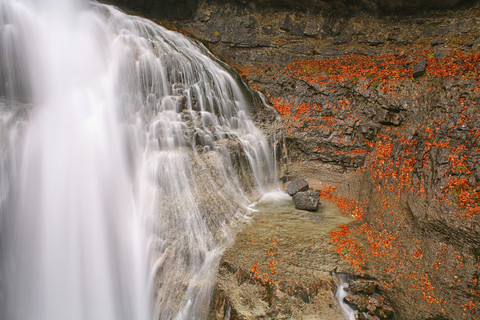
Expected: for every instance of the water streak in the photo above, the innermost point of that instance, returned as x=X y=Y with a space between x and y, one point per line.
x=127 y=154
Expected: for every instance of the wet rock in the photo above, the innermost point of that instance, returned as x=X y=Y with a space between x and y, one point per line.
x=384 y=312
x=306 y=200
x=365 y=316
x=297 y=186
x=357 y=302
x=363 y=298
x=369 y=307
x=362 y=287
x=419 y=69
x=182 y=102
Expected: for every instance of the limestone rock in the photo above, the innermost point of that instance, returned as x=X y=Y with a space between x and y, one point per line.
x=306 y=200
x=296 y=186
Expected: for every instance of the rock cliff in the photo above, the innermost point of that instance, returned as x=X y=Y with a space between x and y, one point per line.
x=381 y=109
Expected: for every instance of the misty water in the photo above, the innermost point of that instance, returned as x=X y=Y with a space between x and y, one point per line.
x=127 y=156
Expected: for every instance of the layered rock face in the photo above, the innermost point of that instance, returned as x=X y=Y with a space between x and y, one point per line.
x=186 y=9
x=390 y=103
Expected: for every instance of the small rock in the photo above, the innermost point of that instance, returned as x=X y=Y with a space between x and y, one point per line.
x=306 y=200
x=311 y=29
x=439 y=52
x=371 y=40
x=268 y=30
x=182 y=102
x=375 y=41
x=419 y=69
x=287 y=24
x=363 y=287
x=296 y=186
x=298 y=29
x=385 y=312
x=437 y=42
x=365 y=316
x=357 y=302
x=203 y=16
x=340 y=40
x=389 y=118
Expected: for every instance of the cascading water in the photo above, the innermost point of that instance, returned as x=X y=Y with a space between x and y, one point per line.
x=126 y=152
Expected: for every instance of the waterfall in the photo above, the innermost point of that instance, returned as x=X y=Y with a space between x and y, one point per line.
x=127 y=155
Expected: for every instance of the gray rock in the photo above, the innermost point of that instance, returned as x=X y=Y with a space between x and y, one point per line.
x=362 y=287
x=389 y=118
x=287 y=24
x=357 y=302
x=419 y=69
x=440 y=52
x=296 y=186
x=340 y=40
x=306 y=200
x=298 y=29
x=241 y=30
x=268 y=30
x=371 y=40
x=311 y=29
x=365 y=316
x=203 y=16
x=438 y=42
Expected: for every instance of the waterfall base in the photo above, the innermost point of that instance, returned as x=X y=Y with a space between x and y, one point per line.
x=280 y=265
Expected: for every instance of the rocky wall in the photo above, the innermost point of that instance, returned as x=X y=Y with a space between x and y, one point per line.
x=388 y=103
x=392 y=102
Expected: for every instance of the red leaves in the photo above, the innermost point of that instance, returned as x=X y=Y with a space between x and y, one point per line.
x=386 y=68
x=265 y=279
x=283 y=108
x=346 y=206
x=348 y=247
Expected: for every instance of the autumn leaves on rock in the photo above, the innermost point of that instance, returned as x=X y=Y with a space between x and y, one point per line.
x=390 y=102
x=408 y=125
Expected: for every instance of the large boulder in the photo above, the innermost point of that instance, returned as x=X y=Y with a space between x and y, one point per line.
x=297 y=186
x=306 y=200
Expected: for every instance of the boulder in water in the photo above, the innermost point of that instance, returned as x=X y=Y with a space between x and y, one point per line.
x=306 y=200
x=297 y=186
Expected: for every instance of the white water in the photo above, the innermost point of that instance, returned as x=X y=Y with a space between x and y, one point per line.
x=341 y=293
x=121 y=145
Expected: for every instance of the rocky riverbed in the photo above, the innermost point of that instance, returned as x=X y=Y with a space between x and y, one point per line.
x=280 y=264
